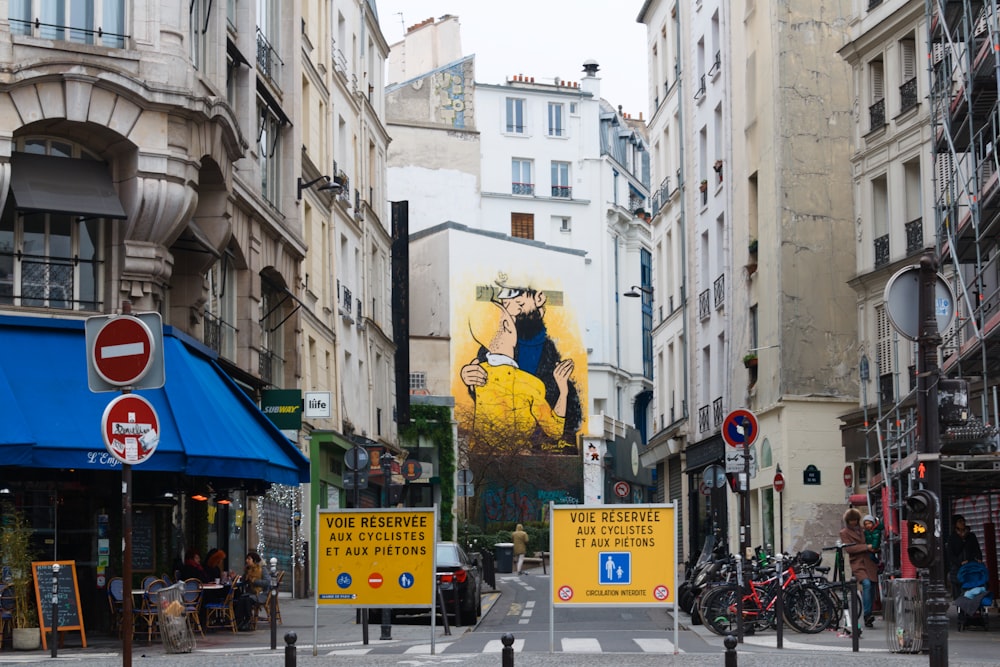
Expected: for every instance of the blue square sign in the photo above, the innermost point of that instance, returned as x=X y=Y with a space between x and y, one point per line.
x=615 y=567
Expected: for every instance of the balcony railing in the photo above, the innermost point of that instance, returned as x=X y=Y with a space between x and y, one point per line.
x=703 y=419
x=882 y=251
x=876 y=115
x=346 y=302
x=562 y=191
x=267 y=59
x=914 y=236
x=704 y=305
x=269 y=366
x=908 y=95
x=717 y=413
x=635 y=201
x=872 y=4
x=719 y=291
x=338 y=57
x=522 y=188
x=216 y=331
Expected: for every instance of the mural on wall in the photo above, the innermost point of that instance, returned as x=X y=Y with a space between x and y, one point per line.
x=523 y=370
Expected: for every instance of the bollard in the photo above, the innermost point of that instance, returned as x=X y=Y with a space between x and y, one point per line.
x=507 y=653
x=290 y=639
x=855 y=614
x=55 y=609
x=779 y=603
x=730 y=643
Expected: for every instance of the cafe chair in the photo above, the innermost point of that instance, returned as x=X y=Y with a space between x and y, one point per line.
x=167 y=580
x=192 y=596
x=264 y=608
x=221 y=614
x=147 y=580
x=148 y=610
x=116 y=603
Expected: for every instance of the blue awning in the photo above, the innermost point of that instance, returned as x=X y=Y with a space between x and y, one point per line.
x=209 y=427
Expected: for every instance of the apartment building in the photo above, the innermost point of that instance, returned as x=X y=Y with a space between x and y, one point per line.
x=750 y=149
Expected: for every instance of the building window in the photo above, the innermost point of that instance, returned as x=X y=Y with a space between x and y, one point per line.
x=876 y=83
x=522 y=225
x=272 y=316
x=560 y=180
x=908 y=73
x=52 y=260
x=556 y=120
x=220 y=309
x=200 y=11
x=418 y=381
x=520 y=177
x=269 y=151
x=268 y=21
x=515 y=115
x=98 y=22
x=646 y=278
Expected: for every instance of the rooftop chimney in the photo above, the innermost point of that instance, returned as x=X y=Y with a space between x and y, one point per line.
x=590 y=67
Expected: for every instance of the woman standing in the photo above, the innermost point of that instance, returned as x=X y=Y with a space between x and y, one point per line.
x=863 y=568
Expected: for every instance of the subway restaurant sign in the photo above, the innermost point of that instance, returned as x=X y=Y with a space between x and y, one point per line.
x=283 y=407
x=614 y=555
x=375 y=557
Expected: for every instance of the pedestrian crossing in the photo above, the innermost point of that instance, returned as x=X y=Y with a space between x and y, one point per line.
x=540 y=643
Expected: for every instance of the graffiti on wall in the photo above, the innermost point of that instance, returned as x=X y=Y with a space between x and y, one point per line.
x=450 y=88
x=519 y=506
x=523 y=371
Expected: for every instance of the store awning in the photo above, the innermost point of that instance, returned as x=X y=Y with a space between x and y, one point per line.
x=208 y=426
x=48 y=184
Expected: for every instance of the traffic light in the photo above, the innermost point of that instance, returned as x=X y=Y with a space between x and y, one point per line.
x=922 y=513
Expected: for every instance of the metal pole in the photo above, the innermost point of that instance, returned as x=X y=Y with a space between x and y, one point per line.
x=507 y=653
x=779 y=602
x=54 y=641
x=730 y=643
x=739 y=598
x=127 y=620
x=273 y=600
x=855 y=613
x=386 y=461
x=781 y=516
x=928 y=375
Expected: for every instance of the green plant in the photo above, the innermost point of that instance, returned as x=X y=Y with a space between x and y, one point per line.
x=434 y=423
x=752 y=246
x=17 y=554
x=749 y=358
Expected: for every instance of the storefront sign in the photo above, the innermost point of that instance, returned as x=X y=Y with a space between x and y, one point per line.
x=283 y=407
x=318 y=405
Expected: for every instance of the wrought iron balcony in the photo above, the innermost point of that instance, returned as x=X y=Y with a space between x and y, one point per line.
x=717 y=413
x=908 y=95
x=562 y=191
x=719 y=291
x=704 y=305
x=876 y=115
x=703 y=419
x=522 y=188
x=882 y=250
x=914 y=236
x=267 y=59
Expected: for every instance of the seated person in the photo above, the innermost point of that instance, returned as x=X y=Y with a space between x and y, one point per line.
x=192 y=569
x=213 y=564
x=253 y=591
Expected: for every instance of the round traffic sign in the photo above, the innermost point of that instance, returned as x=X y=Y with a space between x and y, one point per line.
x=356 y=458
x=739 y=428
x=130 y=428
x=622 y=489
x=411 y=469
x=565 y=593
x=122 y=351
x=704 y=489
x=779 y=482
x=848 y=476
x=374 y=579
x=661 y=592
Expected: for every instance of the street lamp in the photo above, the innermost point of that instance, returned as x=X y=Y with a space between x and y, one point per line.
x=636 y=291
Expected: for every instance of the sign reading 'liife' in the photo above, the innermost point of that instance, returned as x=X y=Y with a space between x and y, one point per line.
x=375 y=557
x=625 y=555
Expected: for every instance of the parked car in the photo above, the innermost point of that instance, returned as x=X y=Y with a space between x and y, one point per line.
x=457 y=574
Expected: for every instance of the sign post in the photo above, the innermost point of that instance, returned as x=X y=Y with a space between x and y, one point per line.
x=779 y=486
x=739 y=429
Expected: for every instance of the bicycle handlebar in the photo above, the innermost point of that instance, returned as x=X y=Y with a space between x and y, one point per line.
x=840 y=546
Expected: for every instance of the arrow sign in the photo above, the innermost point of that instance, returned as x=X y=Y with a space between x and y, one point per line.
x=739 y=429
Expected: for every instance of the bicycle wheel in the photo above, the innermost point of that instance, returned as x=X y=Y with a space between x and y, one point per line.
x=803 y=609
x=718 y=609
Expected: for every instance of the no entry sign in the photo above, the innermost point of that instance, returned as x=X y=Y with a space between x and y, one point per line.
x=131 y=429
x=125 y=351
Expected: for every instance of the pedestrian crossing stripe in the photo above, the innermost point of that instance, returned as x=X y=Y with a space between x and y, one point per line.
x=494 y=646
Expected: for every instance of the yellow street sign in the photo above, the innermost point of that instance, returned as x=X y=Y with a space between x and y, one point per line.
x=613 y=555
x=375 y=557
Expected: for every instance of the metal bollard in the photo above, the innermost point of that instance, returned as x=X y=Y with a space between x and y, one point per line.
x=730 y=643
x=273 y=600
x=290 y=639
x=855 y=617
x=507 y=653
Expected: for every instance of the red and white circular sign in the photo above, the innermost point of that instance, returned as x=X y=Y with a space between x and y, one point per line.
x=374 y=579
x=661 y=592
x=565 y=593
x=131 y=429
x=848 y=476
x=622 y=489
x=123 y=350
x=779 y=482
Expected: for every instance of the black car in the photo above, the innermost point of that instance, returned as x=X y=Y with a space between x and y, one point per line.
x=456 y=574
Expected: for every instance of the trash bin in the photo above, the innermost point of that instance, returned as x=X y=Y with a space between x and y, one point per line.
x=172 y=617
x=903 y=609
x=504 y=553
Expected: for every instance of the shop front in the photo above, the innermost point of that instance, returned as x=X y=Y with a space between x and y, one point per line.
x=216 y=449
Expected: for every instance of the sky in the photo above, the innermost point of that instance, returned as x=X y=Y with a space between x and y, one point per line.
x=544 y=39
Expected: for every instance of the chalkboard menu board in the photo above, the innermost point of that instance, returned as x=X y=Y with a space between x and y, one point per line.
x=68 y=598
x=143 y=542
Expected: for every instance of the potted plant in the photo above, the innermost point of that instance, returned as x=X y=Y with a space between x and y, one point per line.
x=17 y=554
x=704 y=185
x=750 y=359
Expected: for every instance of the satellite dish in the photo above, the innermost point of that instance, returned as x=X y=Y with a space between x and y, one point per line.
x=902 y=302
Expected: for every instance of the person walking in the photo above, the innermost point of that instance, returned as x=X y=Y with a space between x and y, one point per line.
x=863 y=568
x=520 y=539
